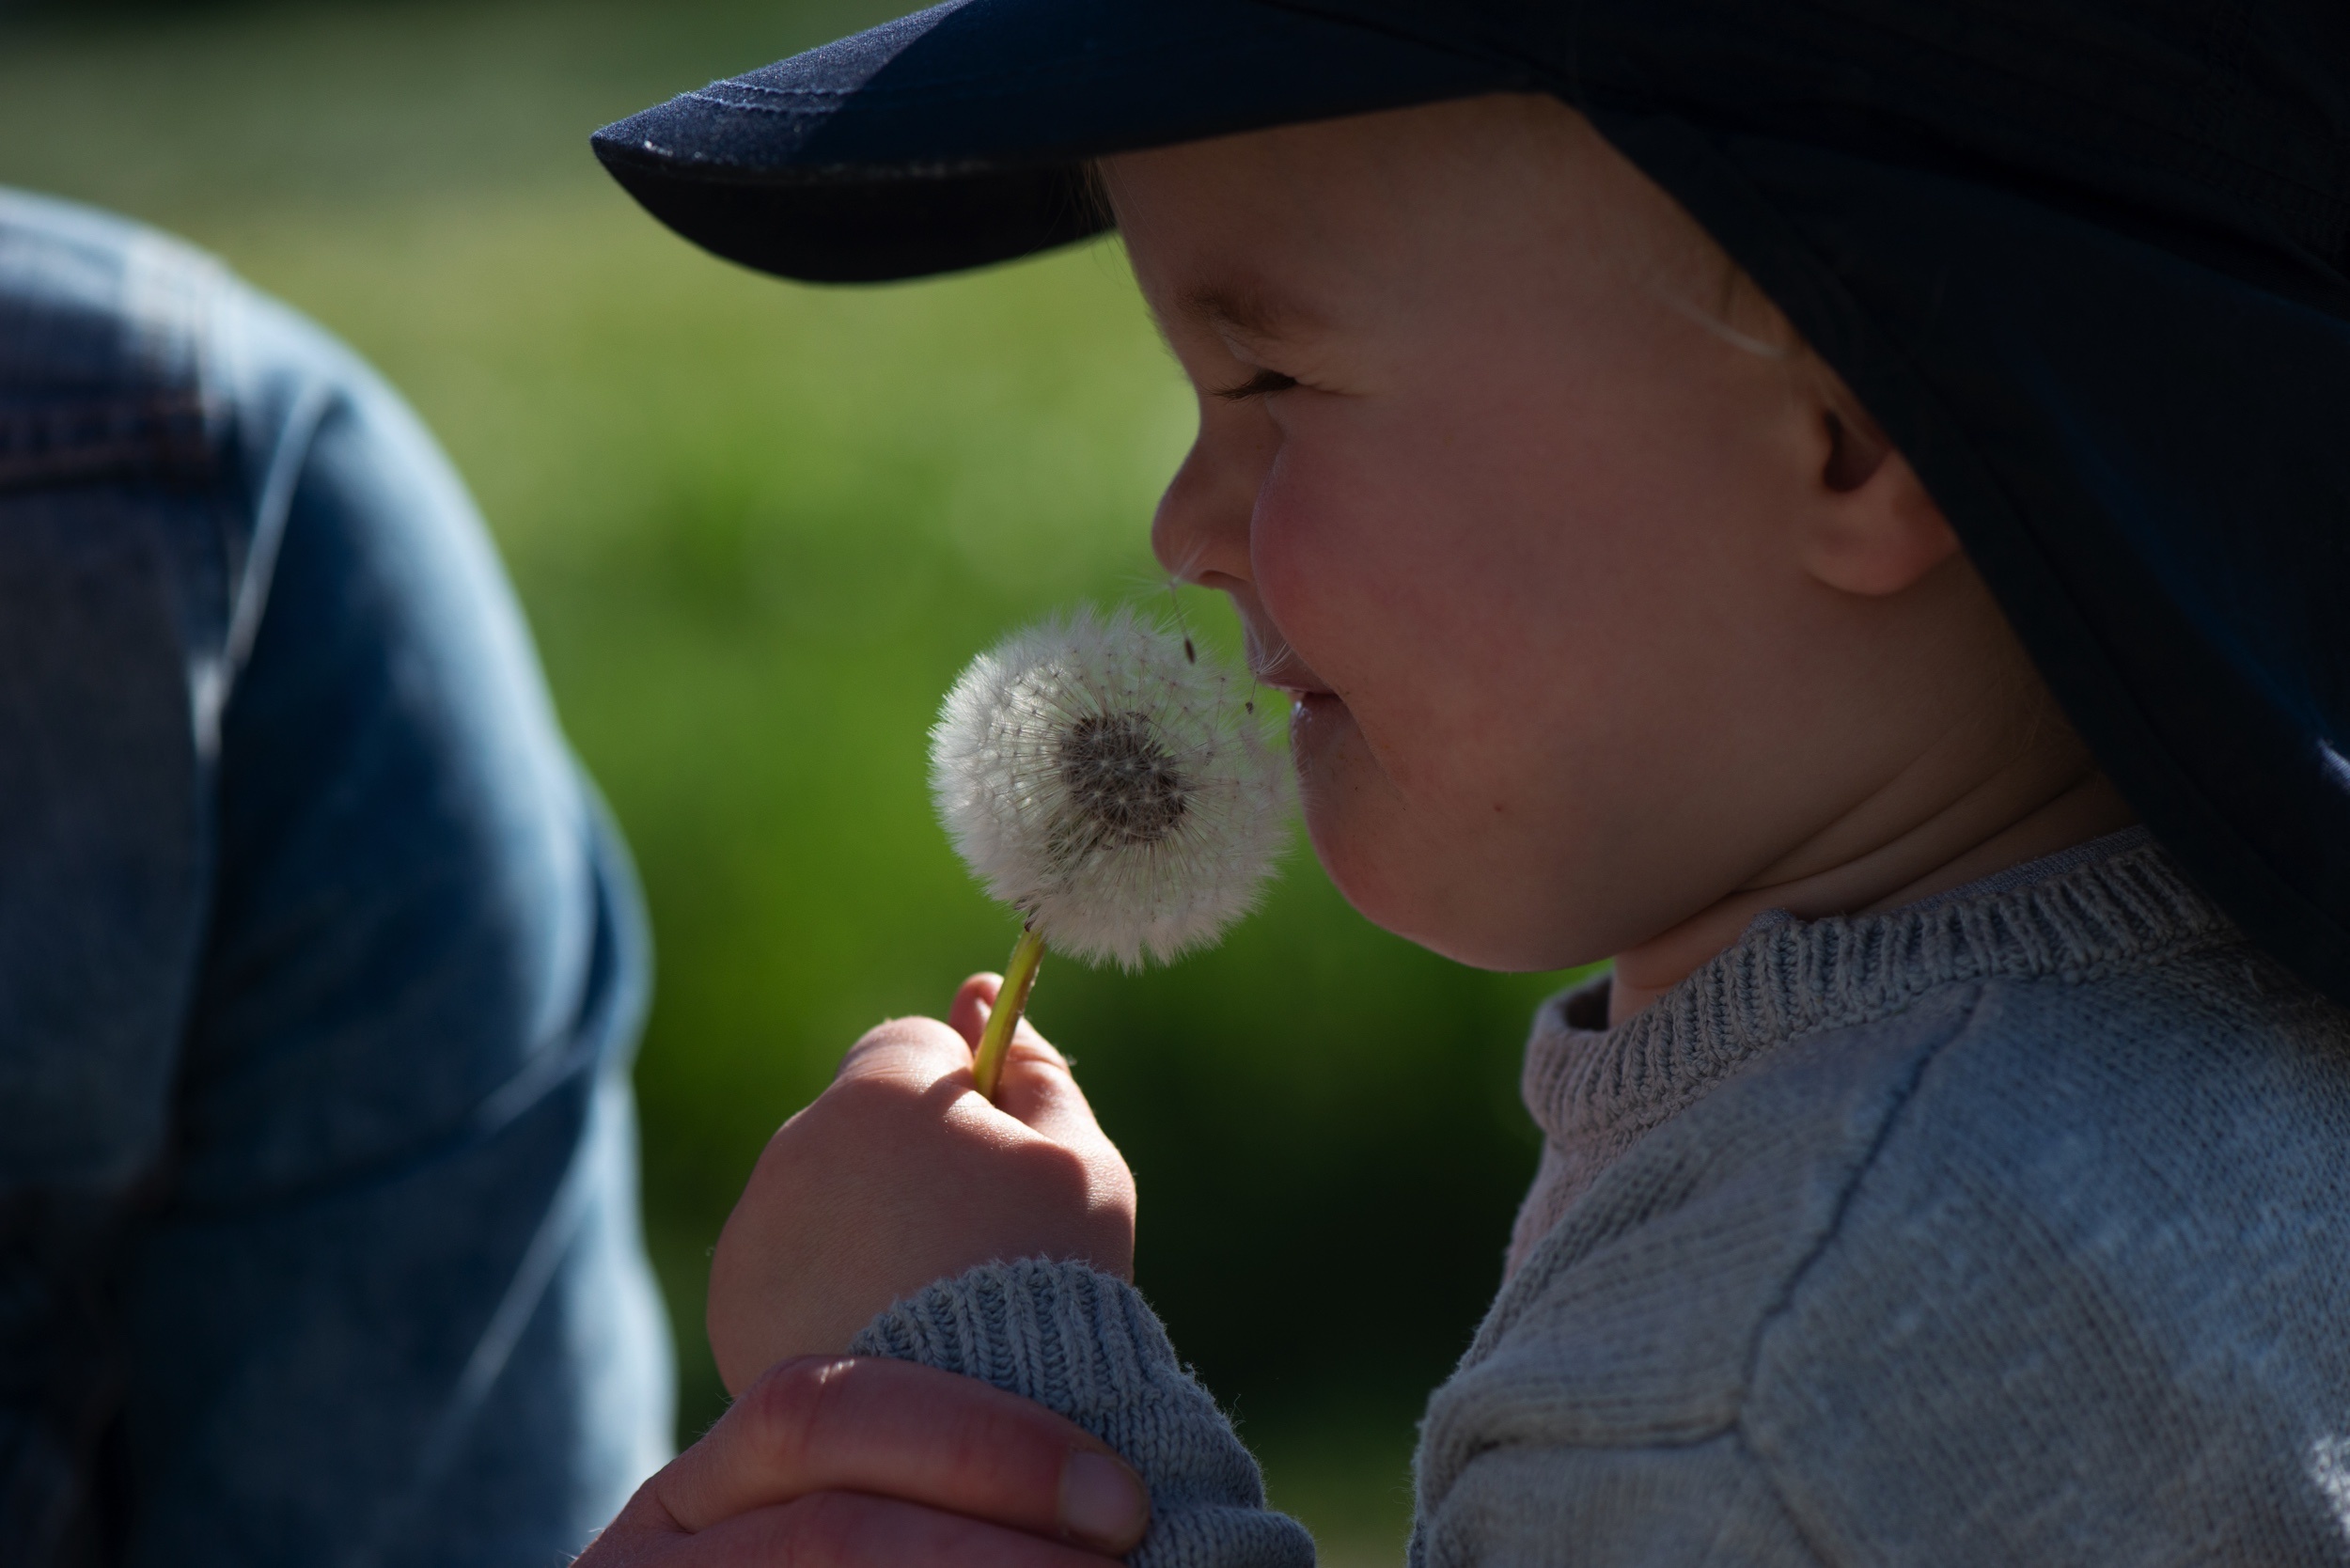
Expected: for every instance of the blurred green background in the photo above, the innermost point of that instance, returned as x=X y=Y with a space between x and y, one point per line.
x=758 y=529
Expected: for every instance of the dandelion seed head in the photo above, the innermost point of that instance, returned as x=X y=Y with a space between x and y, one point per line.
x=1100 y=775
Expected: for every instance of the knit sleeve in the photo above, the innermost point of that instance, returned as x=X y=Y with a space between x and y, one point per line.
x=1083 y=1345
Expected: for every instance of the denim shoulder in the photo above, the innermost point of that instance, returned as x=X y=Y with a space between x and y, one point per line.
x=125 y=537
x=103 y=329
x=321 y=964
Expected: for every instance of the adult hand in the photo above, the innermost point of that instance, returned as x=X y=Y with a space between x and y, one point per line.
x=900 y=1174
x=838 y=1463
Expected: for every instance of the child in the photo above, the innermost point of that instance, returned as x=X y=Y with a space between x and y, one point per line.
x=1951 y=1169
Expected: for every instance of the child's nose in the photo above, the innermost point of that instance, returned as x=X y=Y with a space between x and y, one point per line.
x=1200 y=531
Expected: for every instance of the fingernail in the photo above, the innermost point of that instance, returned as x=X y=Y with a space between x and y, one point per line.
x=1102 y=1501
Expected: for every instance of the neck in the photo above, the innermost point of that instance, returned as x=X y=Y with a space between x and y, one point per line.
x=1971 y=838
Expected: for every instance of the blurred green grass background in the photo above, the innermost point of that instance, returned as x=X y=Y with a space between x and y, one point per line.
x=758 y=529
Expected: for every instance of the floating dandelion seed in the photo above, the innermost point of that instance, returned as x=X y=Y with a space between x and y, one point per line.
x=1112 y=786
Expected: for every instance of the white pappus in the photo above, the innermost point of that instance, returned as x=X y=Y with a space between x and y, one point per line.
x=1112 y=785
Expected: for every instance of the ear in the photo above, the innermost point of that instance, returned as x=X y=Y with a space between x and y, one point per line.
x=1871 y=529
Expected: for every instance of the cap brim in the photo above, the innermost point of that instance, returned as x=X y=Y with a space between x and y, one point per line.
x=957 y=137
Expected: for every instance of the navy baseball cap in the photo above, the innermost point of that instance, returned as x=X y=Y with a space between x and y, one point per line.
x=959 y=135
x=2087 y=261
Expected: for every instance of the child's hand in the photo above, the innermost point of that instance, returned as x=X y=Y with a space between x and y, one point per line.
x=900 y=1174
x=878 y=1464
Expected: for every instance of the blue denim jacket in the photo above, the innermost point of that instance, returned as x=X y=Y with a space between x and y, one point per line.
x=319 y=966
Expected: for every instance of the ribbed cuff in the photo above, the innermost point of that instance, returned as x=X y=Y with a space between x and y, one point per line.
x=1085 y=1344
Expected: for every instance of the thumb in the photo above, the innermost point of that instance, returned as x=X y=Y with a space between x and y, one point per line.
x=911 y=1050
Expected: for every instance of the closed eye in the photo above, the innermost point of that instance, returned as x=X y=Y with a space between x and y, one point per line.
x=1260 y=385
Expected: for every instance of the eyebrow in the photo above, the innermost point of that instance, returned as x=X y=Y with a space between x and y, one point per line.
x=1248 y=312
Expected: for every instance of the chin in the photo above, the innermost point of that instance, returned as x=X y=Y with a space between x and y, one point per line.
x=1470 y=901
x=1461 y=920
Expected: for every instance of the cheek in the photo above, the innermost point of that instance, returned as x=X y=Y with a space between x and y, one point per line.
x=1505 y=599
x=1418 y=594
x=1350 y=565
x=1413 y=577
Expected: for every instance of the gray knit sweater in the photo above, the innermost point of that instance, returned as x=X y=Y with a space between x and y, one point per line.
x=2009 y=1229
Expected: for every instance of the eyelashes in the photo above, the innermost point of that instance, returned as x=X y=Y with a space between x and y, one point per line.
x=1263 y=383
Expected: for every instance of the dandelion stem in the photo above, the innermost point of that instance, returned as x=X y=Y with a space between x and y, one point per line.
x=987 y=1067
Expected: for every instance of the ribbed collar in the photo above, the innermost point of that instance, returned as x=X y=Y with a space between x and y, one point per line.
x=2108 y=904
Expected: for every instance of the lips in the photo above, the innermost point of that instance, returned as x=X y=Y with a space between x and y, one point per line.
x=1317 y=717
x=1295 y=679
x=1276 y=663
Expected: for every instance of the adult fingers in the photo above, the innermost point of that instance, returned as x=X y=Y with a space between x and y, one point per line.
x=894 y=1429
x=844 y=1530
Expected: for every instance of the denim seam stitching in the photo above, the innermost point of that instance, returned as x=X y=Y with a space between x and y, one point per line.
x=80 y=442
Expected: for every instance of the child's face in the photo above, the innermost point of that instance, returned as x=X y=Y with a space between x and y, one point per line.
x=1532 y=537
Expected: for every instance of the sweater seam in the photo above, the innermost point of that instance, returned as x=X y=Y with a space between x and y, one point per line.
x=1778 y=1495
x=1654 y=1116
x=1764 y=1466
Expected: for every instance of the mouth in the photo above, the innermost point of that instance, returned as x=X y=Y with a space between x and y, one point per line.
x=1317 y=715
x=1310 y=699
x=1276 y=663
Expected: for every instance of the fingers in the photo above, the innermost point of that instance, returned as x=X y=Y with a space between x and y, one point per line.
x=1036 y=1087
x=975 y=999
x=842 y=1529
x=922 y=1050
x=894 y=1429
